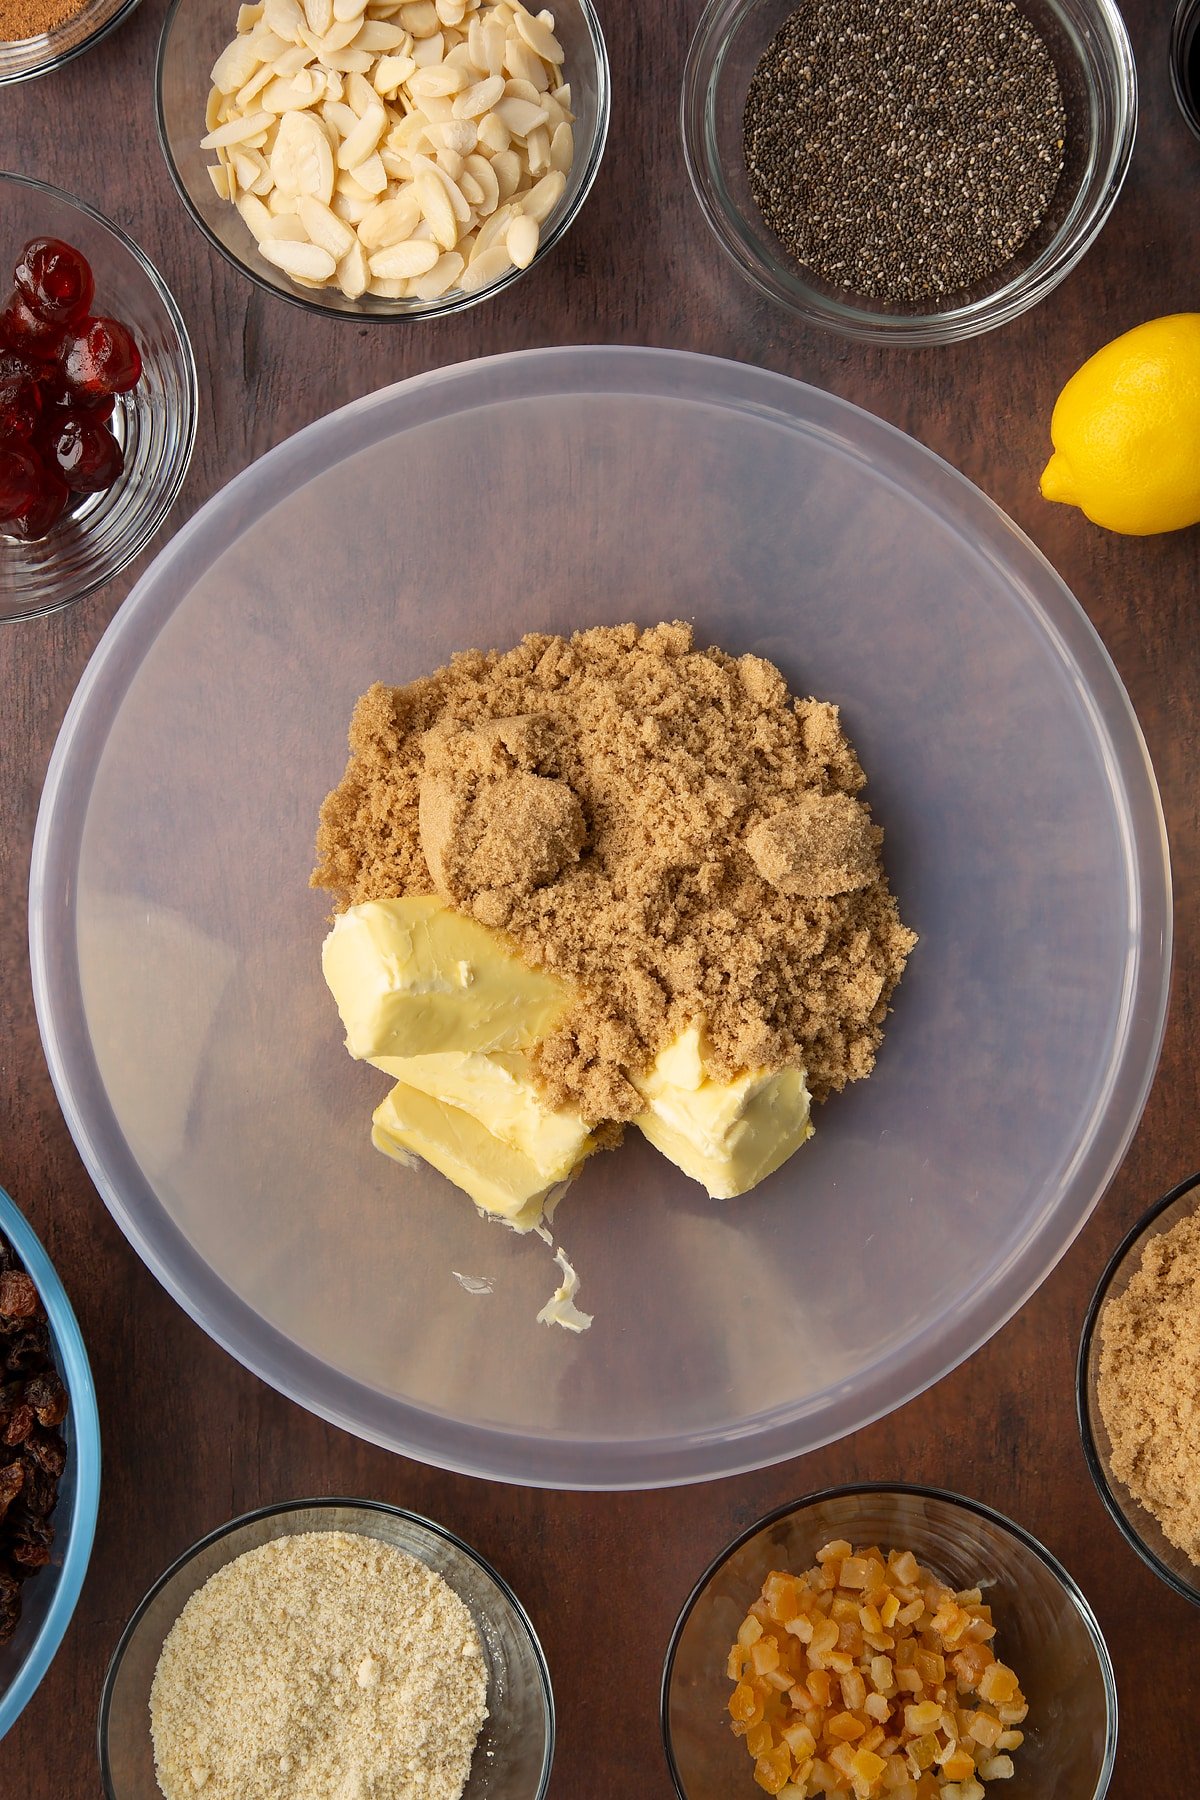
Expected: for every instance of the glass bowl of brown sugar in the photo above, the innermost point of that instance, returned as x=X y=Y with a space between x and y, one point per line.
x=1138 y=1388
x=913 y=182
x=37 y=36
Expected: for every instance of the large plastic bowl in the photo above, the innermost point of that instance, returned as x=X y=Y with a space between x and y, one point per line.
x=48 y=1598
x=197 y=1053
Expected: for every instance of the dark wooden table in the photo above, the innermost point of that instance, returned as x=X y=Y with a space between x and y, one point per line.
x=190 y=1437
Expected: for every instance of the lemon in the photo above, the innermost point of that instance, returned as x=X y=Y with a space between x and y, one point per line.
x=1126 y=431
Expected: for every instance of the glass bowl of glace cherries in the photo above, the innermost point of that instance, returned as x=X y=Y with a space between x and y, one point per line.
x=97 y=399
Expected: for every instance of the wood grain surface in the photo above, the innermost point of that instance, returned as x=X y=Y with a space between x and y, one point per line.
x=189 y=1437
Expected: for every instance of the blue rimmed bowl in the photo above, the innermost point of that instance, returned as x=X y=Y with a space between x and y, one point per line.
x=48 y=1598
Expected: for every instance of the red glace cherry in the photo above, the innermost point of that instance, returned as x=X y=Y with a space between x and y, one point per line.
x=23 y=329
x=101 y=359
x=84 y=452
x=55 y=280
x=20 y=483
x=47 y=509
x=20 y=397
x=60 y=371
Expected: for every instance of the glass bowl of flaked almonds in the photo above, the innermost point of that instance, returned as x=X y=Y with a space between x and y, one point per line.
x=383 y=158
x=1138 y=1388
x=362 y=1650
x=888 y=1641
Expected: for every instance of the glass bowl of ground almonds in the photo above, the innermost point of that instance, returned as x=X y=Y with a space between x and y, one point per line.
x=1139 y=1388
x=888 y=1643
x=908 y=176
x=328 y=1650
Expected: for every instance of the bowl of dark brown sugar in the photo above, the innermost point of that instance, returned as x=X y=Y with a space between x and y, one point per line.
x=908 y=174
x=1139 y=1388
x=37 y=36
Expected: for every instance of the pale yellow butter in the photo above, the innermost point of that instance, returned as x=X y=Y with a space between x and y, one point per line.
x=727 y=1135
x=415 y=978
x=497 y=1088
x=498 y=1178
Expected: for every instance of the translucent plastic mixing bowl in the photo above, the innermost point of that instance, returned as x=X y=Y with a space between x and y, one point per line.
x=176 y=945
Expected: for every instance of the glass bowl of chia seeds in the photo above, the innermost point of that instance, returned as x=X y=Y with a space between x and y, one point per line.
x=908 y=178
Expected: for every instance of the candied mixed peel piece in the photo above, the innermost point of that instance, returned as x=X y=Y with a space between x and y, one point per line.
x=867 y=1676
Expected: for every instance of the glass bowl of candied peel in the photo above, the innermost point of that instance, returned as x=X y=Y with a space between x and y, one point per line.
x=49 y=1463
x=98 y=399
x=888 y=1641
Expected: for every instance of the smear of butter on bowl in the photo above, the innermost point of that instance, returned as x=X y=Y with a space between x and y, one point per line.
x=561 y=1309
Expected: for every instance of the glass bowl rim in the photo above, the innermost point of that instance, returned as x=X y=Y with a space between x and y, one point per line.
x=1141 y=1230
x=1186 y=20
x=909 y=1490
x=323 y=1502
x=56 y=59
x=956 y=324
x=447 y=304
x=85 y=1413
x=232 y=1322
x=157 y=515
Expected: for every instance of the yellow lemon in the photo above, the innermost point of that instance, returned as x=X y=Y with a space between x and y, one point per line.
x=1126 y=431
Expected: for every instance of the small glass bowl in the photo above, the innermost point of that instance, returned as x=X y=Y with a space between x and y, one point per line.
x=516 y=1746
x=1094 y=60
x=23 y=58
x=193 y=35
x=1139 y=1527
x=1046 y=1631
x=156 y=423
x=1185 y=61
x=48 y=1598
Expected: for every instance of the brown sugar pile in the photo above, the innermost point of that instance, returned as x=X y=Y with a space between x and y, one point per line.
x=1149 y=1383
x=663 y=826
x=24 y=19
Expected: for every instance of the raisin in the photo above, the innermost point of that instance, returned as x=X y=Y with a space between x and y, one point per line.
x=40 y=1493
x=47 y=1451
x=12 y=1480
x=31 y=1545
x=47 y=1396
x=18 y=1296
x=10 y=1606
x=19 y=1426
x=29 y=1350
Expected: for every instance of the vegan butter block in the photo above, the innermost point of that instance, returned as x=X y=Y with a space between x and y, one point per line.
x=498 y=1177
x=497 y=1088
x=413 y=978
x=727 y=1135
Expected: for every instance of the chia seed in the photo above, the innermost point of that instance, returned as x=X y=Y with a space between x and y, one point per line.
x=904 y=151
